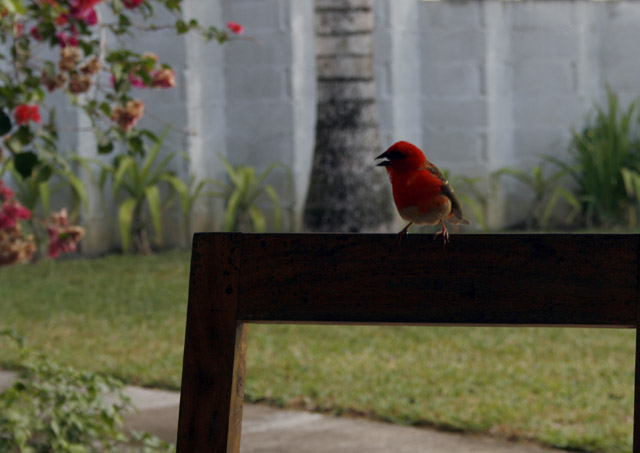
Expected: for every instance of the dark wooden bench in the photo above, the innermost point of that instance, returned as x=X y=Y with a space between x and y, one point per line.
x=498 y=280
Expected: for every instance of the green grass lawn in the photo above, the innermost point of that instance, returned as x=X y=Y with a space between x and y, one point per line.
x=125 y=316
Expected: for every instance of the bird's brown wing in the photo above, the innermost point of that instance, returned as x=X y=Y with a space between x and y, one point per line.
x=447 y=191
x=456 y=207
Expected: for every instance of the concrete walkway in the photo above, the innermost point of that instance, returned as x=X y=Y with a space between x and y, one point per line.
x=269 y=430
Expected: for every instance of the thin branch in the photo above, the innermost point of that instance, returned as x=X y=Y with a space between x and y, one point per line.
x=165 y=123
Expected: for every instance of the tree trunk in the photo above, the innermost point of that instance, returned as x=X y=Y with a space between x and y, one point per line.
x=347 y=192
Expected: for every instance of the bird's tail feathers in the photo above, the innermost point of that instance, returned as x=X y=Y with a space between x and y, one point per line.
x=457 y=218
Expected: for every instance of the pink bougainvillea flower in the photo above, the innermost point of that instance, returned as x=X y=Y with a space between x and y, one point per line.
x=132 y=4
x=10 y=212
x=136 y=81
x=128 y=115
x=65 y=40
x=35 y=33
x=63 y=238
x=91 y=18
x=235 y=27
x=83 y=10
x=163 y=78
x=25 y=113
x=61 y=20
x=5 y=192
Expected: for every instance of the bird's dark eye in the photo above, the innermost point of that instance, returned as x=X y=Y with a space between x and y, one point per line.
x=395 y=155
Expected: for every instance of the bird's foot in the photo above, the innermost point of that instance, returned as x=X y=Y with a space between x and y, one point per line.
x=401 y=237
x=403 y=234
x=445 y=236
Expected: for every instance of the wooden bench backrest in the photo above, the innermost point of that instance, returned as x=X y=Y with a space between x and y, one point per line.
x=511 y=280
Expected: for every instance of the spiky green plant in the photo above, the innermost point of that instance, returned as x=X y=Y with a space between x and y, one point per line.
x=136 y=185
x=242 y=196
x=599 y=155
x=547 y=192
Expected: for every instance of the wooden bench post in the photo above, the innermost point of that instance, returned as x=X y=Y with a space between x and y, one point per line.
x=215 y=348
x=499 y=280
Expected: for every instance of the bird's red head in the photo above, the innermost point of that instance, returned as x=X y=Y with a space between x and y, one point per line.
x=402 y=156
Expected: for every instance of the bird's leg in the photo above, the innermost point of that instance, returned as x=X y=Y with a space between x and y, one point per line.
x=444 y=233
x=403 y=233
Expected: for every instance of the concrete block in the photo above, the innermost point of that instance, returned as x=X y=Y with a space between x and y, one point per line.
x=624 y=76
x=382 y=14
x=454 y=114
x=255 y=15
x=619 y=43
x=383 y=47
x=450 y=15
x=406 y=48
x=543 y=78
x=446 y=148
x=622 y=14
x=406 y=111
x=544 y=43
x=271 y=49
x=383 y=81
x=255 y=120
x=543 y=111
x=451 y=45
x=406 y=79
x=261 y=151
x=256 y=82
x=341 y=4
x=541 y=15
x=529 y=143
x=205 y=85
x=457 y=79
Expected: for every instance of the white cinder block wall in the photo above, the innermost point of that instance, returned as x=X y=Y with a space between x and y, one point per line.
x=478 y=84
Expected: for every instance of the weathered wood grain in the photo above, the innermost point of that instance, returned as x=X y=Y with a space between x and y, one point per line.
x=478 y=279
x=215 y=344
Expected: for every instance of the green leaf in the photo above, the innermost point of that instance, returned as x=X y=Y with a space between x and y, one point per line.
x=5 y=123
x=277 y=211
x=77 y=188
x=45 y=197
x=136 y=145
x=25 y=135
x=105 y=108
x=153 y=199
x=124 y=164
x=181 y=189
x=25 y=162
x=230 y=222
x=44 y=173
x=14 y=6
x=232 y=172
x=257 y=219
x=105 y=146
x=181 y=27
x=125 y=220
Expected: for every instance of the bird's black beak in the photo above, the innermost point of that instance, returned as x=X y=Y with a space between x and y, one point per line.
x=391 y=155
x=384 y=163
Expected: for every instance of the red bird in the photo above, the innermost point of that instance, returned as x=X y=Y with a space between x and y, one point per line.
x=420 y=192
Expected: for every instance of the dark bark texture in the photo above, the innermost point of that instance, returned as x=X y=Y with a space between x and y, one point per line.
x=347 y=192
